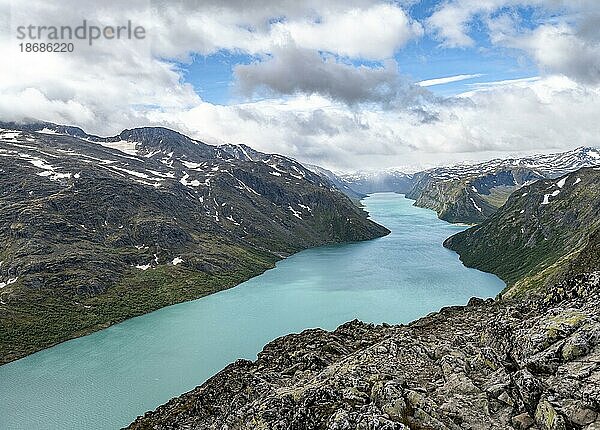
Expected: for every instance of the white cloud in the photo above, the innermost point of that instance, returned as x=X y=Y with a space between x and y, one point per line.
x=117 y=83
x=566 y=41
x=447 y=80
x=560 y=49
x=549 y=114
x=365 y=29
x=323 y=109
x=374 y=33
x=451 y=20
x=504 y=82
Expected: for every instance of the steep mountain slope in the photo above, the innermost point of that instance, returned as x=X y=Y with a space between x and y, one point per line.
x=92 y=235
x=470 y=193
x=545 y=231
x=337 y=182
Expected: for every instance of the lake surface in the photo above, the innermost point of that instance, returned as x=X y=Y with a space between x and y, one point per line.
x=106 y=379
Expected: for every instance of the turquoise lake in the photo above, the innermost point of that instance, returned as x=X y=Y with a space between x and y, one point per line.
x=106 y=379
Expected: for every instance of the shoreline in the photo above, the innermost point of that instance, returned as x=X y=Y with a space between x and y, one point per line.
x=488 y=363
x=269 y=335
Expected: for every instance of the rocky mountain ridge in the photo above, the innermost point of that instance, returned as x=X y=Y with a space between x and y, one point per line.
x=471 y=192
x=95 y=230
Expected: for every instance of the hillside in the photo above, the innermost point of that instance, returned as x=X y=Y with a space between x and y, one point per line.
x=96 y=230
x=338 y=181
x=545 y=231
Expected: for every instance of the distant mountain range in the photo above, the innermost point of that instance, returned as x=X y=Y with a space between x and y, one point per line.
x=378 y=182
x=98 y=229
x=338 y=181
x=472 y=193
x=468 y=193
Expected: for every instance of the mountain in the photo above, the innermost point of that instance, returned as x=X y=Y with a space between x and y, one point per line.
x=95 y=230
x=470 y=193
x=336 y=181
x=378 y=182
x=544 y=232
x=467 y=192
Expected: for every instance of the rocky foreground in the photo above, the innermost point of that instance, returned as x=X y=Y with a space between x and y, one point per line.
x=527 y=364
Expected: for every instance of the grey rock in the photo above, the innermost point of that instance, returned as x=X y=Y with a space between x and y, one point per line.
x=522 y=421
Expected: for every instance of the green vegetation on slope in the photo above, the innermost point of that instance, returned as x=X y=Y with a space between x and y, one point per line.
x=545 y=231
x=39 y=320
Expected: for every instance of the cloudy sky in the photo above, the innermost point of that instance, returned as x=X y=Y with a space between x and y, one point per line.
x=347 y=84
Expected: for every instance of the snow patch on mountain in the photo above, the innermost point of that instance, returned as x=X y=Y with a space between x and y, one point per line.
x=176 y=261
x=475 y=204
x=8 y=282
x=547 y=197
x=295 y=212
x=123 y=145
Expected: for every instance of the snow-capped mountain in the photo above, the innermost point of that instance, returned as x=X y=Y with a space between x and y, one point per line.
x=472 y=192
x=466 y=192
x=377 y=182
x=98 y=229
x=546 y=165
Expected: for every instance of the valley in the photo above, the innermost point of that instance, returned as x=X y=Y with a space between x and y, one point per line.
x=300 y=215
x=529 y=359
x=116 y=374
x=103 y=229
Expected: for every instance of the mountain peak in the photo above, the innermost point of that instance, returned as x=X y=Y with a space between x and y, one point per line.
x=590 y=151
x=152 y=140
x=153 y=133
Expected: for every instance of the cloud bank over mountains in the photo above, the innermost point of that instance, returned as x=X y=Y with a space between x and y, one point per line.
x=322 y=81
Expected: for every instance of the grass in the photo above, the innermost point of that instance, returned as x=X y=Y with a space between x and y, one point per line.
x=530 y=245
x=498 y=195
x=40 y=318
